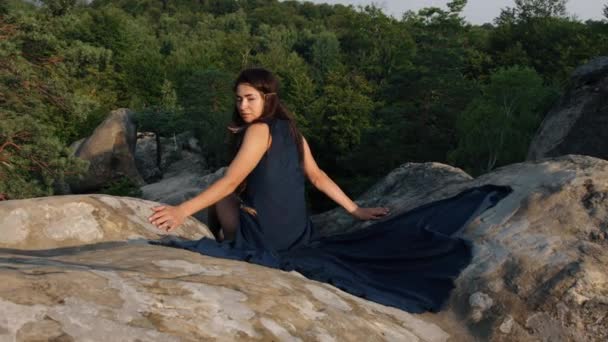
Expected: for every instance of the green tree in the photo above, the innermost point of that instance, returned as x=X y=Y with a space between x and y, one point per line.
x=523 y=34
x=32 y=159
x=298 y=90
x=207 y=99
x=371 y=39
x=326 y=55
x=343 y=113
x=425 y=91
x=525 y=10
x=59 y=7
x=497 y=127
x=339 y=120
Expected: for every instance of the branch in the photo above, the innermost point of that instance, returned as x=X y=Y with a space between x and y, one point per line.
x=9 y=143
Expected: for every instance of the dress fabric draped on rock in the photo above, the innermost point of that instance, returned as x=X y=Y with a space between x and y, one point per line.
x=408 y=261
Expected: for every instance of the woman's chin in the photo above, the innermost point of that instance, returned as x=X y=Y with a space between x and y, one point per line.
x=247 y=118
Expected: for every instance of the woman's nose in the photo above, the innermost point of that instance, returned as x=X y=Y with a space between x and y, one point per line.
x=242 y=104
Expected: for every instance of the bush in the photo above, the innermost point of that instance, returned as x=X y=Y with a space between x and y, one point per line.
x=122 y=187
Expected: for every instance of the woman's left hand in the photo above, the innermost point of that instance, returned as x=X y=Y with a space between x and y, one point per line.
x=167 y=217
x=370 y=213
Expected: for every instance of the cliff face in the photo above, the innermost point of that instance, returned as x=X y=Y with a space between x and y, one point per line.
x=78 y=266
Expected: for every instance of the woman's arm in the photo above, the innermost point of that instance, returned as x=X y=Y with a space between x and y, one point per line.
x=255 y=144
x=326 y=185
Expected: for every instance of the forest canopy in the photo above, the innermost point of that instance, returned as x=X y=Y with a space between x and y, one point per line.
x=370 y=91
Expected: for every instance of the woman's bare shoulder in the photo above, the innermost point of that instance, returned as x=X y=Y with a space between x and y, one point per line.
x=258 y=131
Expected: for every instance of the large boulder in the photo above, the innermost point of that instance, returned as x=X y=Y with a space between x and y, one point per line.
x=539 y=269
x=538 y=272
x=110 y=152
x=78 y=220
x=577 y=124
x=63 y=280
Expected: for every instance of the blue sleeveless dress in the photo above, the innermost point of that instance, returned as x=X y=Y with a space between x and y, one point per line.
x=408 y=261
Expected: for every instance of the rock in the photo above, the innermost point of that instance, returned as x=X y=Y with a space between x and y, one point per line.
x=506 y=325
x=177 y=187
x=110 y=152
x=533 y=257
x=48 y=223
x=146 y=157
x=184 y=174
x=408 y=186
x=74 y=285
x=533 y=251
x=576 y=125
x=479 y=302
x=536 y=251
x=76 y=145
x=180 y=147
x=188 y=163
x=547 y=328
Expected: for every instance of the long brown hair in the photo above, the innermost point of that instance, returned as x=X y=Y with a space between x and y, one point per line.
x=268 y=85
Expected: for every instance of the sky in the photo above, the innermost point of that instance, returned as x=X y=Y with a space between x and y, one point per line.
x=476 y=11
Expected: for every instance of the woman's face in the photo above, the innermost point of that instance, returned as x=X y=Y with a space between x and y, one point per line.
x=249 y=102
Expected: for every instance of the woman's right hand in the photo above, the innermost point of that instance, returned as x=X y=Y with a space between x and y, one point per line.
x=167 y=217
x=370 y=213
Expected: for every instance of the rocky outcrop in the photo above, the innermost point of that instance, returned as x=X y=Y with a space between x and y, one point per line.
x=146 y=157
x=166 y=156
x=110 y=152
x=180 y=147
x=538 y=271
x=129 y=291
x=577 y=124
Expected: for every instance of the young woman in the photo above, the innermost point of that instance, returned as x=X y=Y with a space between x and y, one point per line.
x=408 y=261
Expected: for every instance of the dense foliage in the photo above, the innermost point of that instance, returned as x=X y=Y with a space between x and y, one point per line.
x=370 y=91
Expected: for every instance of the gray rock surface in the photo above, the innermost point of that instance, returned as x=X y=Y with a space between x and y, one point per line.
x=72 y=284
x=577 y=124
x=538 y=271
x=76 y=220
x=538 y=254
x=110 y=152
x=146 y=158
x=180 y=147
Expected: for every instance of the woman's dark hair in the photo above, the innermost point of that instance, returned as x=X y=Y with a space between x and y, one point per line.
x=267 y=84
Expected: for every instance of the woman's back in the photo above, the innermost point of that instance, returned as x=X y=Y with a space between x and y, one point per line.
x=276 y=190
